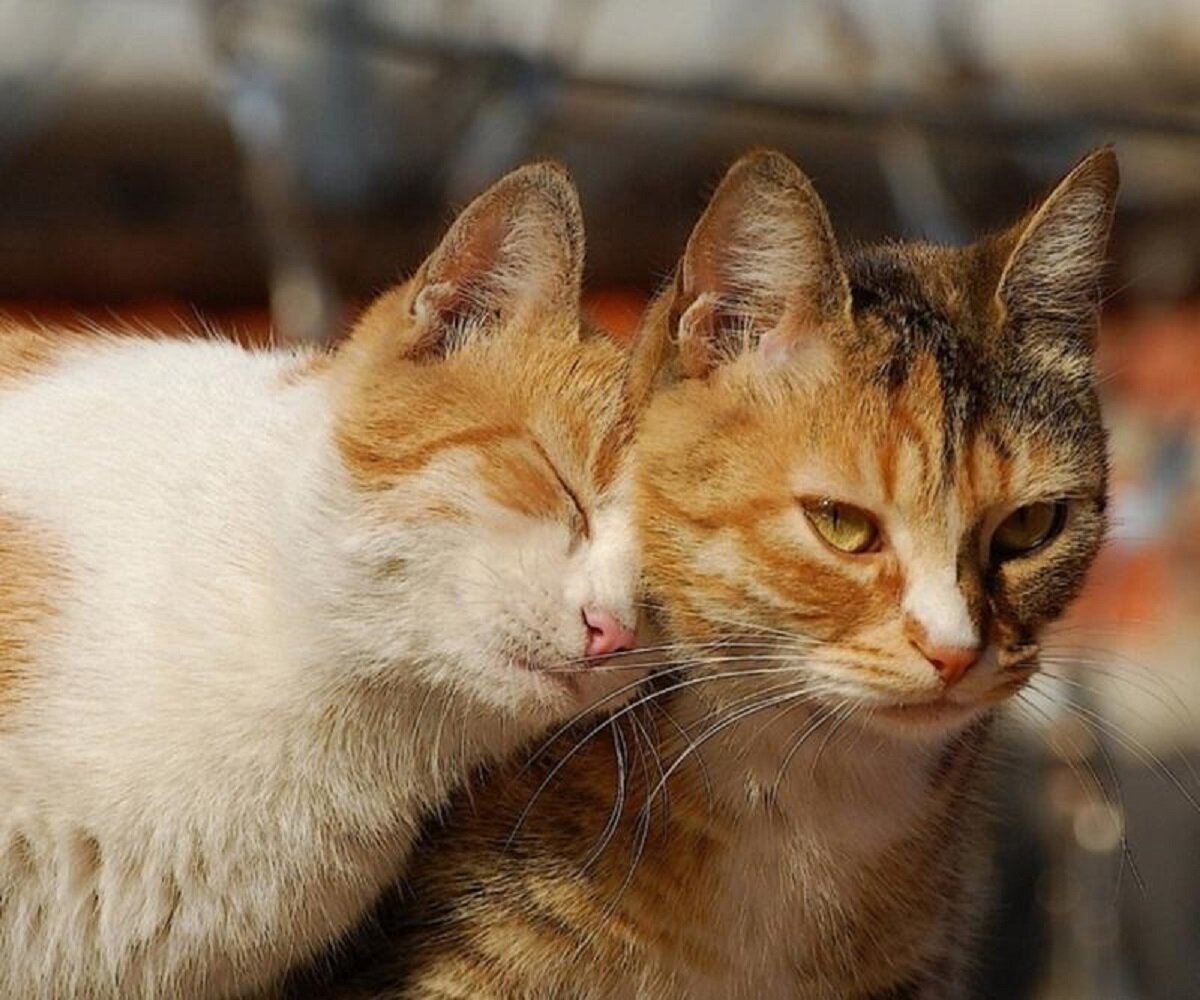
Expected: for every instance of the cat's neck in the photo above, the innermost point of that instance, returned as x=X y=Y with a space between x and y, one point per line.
x=849 y=833
x=801 y=763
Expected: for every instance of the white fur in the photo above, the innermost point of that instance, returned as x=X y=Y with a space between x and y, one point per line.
x=240 y=713
x=933 y=598
x=935 y=601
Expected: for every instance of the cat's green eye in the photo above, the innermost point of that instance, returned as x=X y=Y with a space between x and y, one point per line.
x=1028 y=528
x=846 y=528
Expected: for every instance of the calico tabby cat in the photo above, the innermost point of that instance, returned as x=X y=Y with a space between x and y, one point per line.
x=864 y=485
x=261 y=611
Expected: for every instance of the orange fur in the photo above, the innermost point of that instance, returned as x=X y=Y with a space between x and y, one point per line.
x=454 y=519
x=597 y=899
x=28 y=578
x=25 y=351
x=398 y=417
x=538 y=404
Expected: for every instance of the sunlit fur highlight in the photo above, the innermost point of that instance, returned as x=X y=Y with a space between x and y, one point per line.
x=25 y=352
x=796 y=806
x=30 y=572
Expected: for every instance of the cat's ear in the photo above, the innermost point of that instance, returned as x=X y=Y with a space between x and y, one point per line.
x=761 y=269
x=1055 y=257
x=516 y=251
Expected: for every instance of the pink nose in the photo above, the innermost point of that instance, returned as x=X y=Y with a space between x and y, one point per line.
x=605 y=634
x=951 y=662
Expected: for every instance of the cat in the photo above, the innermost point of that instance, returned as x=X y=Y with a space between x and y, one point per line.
x=865 y=482
x=260 y=611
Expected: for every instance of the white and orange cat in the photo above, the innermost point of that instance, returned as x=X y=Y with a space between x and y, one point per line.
x=261 y=611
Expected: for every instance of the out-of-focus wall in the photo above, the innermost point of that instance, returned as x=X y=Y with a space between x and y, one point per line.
x=166 y=130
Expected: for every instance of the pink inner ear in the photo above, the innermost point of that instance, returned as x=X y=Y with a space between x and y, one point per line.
x=803 y=347
x=777 y=348
x=475 y=248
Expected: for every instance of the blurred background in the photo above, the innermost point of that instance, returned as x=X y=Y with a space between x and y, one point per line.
x=267 y=166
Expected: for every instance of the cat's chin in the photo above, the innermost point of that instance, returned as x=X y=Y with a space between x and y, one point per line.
x=566 y=692
x=924 y=721
x=543 y=691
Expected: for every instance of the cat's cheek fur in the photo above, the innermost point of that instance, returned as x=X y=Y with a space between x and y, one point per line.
x=492 y=601
x=515 y=583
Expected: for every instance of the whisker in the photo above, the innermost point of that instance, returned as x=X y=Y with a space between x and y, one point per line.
x=1102 y=665
x=618 y=808
x=716 y=729
x=705 y=775
x=1138 y=749
x=681 y=658
x=709 y=617
x=1075 y=757
x=621 y=713
x=798 y=741
x=584 y=713
x=845 y=715
x=640 y=835
x=813 y=689
x=651 y=746
x=1184 y=719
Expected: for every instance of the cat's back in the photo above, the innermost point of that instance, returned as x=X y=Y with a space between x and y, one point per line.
x=121 y=413
x=140 y=482
x=121 y=452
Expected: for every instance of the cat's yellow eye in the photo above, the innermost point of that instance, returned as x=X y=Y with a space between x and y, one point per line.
x=846 y=528
x=1028 y=528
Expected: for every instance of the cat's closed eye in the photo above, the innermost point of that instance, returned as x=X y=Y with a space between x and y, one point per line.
x=1028 y=529
x=581 y=527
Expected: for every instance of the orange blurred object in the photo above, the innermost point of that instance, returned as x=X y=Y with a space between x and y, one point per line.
x=1154 y=358
x=616 y=310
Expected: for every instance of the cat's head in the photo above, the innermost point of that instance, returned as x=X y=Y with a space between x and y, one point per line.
x=484 y=429
x=884 y=470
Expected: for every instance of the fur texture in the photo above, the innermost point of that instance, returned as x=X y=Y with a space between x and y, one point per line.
x=794 y=810
x=259 y=613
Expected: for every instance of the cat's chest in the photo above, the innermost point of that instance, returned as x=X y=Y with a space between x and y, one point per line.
x=818 y=902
